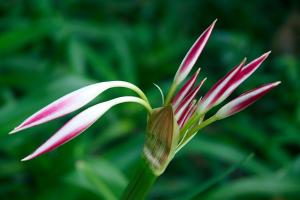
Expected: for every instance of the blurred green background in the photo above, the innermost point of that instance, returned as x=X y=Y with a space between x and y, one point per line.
x=49 y=48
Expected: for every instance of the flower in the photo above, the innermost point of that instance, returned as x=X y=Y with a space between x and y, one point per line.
x=170 y=126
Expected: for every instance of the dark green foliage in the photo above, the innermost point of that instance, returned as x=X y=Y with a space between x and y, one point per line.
x=49 y=48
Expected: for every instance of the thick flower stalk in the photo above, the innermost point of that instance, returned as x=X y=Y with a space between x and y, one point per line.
x=170 y=127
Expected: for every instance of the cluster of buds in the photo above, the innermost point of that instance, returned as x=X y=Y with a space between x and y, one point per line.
x=169 y=127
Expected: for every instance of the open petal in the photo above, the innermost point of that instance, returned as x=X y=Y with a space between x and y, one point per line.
x=244 y=100
x=80 y=123
x=72 y=102
x=192 y=55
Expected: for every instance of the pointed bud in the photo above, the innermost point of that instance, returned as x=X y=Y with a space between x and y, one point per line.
x=185 y=89
x=244 y=100
x=219 y=91
x=192 y=55
x=250 y=68
x=187 y=113
x=245 y=72
x=187 y=100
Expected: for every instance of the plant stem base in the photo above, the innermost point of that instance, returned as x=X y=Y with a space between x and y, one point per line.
x=140 y=183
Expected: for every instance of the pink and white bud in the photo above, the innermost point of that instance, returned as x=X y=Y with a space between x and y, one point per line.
x=71 y=102
x=187 y=87
x=187 y=100
x=246 y=71
x=80 y=123
x=189 y=112
x=192 y=55
x=185 y=113
x=244 y=100
x=224 y=87
x=219 y=90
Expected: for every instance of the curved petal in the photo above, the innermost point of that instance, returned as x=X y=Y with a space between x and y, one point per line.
x=72 y=102
x=80 y=123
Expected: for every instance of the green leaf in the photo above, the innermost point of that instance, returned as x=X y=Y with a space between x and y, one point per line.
x=197 y=191
x=15 y=39
x=255 y=187
x=98 y=176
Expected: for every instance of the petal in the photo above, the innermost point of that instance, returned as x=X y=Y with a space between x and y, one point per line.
x=189 y=115
x=72 y=102
x=80 y=123
x=187 y=100
x=219 y=90
x=252 y=67
x=246 y=71
x=192 y=55
x=244 y=100
x=185 y=89
x=186 y=113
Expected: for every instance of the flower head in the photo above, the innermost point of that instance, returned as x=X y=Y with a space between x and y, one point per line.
x=169 y=127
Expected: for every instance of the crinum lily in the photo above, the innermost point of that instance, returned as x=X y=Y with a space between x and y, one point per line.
x=169 y=127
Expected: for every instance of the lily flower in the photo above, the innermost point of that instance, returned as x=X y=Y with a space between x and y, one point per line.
x=170 y=126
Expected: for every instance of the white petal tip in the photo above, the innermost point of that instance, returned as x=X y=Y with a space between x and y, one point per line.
x=244 y=61
x=13 y=131
x=277 y=83
x=212 y=24
x=267 y=53
x=27 y=158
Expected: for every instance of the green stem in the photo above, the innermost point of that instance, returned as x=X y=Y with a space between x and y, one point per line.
x=140 y=183
x=170 y=93
x=194 y=131
x=205 y=123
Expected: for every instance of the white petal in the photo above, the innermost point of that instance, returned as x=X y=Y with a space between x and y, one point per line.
x=80 y=123
x=72 y=102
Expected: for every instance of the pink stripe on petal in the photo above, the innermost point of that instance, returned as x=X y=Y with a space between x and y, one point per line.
x=185 y=113
x=191 y=110
x=245 y=72
x=46 y=147
x=251 y=67
x=78 y=124
x=218 y=90
x=193 y=54
x=185 y=89
x=187 y=100
x=70 y=130
x=69 y=103
x=244 y=100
